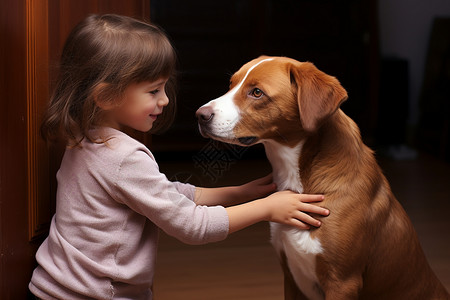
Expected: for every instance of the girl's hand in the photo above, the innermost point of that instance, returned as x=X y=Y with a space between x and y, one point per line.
x=290 y=208
x=257 y=188
x=282 y=207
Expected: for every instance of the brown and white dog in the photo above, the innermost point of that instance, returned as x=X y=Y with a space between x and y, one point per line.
x=367 y=248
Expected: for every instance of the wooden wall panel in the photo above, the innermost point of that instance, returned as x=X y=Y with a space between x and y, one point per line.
x=15 y=251
x=40 y=202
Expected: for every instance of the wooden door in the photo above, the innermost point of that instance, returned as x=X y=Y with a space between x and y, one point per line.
x=32 y=35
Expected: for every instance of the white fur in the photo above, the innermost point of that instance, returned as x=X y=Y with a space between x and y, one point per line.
x=226 y=112
x=284 y=161
x=300 y=249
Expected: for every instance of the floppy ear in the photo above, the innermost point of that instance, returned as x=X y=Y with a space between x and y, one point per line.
x=319 y=95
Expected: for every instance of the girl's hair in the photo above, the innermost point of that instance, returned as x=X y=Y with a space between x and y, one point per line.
x=101 y=57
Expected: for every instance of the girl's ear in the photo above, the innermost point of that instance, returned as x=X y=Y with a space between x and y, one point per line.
x=319 y=95
x=102 y=99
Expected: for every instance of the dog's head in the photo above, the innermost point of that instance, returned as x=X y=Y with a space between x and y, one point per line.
x=271 y=98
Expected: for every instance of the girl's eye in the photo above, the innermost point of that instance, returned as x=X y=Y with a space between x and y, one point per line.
x=154 y=92
x=256 y=93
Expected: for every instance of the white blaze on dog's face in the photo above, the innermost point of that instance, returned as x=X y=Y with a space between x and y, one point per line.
x=224 y=113
x=267 y=97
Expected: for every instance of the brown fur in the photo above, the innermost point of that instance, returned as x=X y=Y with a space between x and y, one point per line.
x=377 y=249
x=371 y=250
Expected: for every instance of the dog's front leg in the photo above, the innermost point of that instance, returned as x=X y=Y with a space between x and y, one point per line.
x=344 y=289
x=291 y=290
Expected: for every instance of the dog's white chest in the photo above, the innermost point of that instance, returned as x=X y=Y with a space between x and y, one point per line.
x=298 y=245
x=300 y=250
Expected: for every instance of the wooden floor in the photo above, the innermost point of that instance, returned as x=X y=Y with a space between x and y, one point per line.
x=245 y=265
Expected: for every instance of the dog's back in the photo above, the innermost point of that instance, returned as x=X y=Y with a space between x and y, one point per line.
x=368 y=240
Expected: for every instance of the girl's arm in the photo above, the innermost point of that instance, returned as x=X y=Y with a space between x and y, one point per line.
x=232 y=195
x=284 y=207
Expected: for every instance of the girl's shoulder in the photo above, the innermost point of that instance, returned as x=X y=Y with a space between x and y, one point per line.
x=115 y=145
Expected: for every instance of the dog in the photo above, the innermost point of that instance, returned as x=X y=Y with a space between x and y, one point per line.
x=367 y=247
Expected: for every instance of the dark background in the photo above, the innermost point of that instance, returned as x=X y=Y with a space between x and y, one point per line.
x=342 y=38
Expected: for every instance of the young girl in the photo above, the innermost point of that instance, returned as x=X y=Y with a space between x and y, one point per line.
x=111 y=198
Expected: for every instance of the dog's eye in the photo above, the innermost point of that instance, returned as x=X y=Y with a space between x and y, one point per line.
x=256 y=93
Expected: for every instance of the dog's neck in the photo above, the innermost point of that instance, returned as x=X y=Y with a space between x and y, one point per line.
x=337 y=137
x=292 y=165
x=337 y=150
x=285 y=165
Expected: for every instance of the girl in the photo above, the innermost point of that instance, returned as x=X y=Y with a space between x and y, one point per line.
x=111 y=199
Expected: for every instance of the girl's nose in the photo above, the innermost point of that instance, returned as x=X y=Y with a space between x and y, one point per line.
x=164 y=100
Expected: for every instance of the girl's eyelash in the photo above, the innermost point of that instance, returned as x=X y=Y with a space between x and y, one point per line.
x=154 y=92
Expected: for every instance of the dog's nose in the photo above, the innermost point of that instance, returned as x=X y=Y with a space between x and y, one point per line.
x=204 y=114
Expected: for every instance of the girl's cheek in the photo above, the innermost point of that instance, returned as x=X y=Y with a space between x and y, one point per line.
x=150 y=109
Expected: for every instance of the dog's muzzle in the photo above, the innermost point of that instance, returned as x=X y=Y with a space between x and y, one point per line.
x=205 y=116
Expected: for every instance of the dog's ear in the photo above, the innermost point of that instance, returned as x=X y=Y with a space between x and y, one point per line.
x=319 y=95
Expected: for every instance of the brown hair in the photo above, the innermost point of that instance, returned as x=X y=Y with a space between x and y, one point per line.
x=101 y=57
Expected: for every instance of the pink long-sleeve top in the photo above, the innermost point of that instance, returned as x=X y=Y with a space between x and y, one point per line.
x=111 y=201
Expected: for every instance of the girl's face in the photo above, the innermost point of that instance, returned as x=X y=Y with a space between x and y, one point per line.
x=142 y=105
